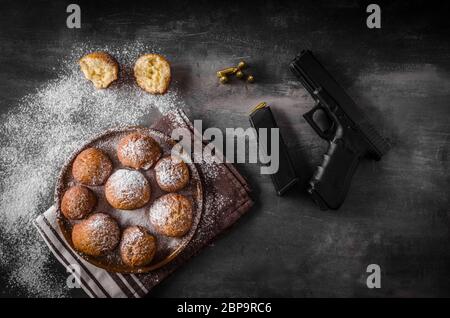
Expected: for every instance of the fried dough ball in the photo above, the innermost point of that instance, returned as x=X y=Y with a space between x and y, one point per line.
x=96 y=235
x=137 y=246
x=172 y=174
x=171 y=215
x=78 y=202
x=127 y=190
x=138 y=151
x=92 y=167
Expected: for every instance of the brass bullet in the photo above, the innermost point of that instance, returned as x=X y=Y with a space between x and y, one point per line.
x=223 y=79
x=250 y=79
x=242 y=65
x=227 y=71
x=259 y=106
x=239 y=74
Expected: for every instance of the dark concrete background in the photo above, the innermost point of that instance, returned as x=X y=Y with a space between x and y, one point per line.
x=397 y=212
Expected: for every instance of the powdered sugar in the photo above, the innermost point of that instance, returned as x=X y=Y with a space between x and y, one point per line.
x=39 y=134
x=127 y=185
x=176 y=120
x=170 y=173
x=132 y=235
x=159 y=212
x=171 y=211
x=105 y=232
x=216 y=202
x=211 y=170
x=135 y=149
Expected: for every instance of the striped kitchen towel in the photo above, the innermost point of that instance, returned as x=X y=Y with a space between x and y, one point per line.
x=226 y=197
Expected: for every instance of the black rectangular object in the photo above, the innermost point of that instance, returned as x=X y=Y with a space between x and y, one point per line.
x=285 y=177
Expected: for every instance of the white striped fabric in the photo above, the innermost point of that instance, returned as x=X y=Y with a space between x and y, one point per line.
x=96 y=282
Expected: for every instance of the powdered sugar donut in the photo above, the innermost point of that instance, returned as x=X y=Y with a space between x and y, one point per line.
x=77 y=202
x=171 y=214
x=172 y=174
x=137 y=246
x=96 y=235
x=91 y=167
x=138 y=151
x=127 y=189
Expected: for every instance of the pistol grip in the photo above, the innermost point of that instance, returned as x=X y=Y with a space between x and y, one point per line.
x=332 y=178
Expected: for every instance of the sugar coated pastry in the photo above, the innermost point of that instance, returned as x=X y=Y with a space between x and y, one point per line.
x=77 y=202
x=137 y=246
x=138 y=151
x=92 y=167
x=127 y=190
x=172 y=174
x=171 y=214
x=96 y=235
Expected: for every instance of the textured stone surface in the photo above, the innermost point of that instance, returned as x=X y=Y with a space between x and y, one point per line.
x=397 y=211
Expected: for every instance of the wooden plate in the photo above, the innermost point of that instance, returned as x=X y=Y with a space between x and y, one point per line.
x=168 y=248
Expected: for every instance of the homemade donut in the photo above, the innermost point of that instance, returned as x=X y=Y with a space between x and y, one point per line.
x=137 y=246
x=77 y=202
x=92 y=167
x=152 y=73
x=127 y=190
x=96 y=235
x=171 y=215
x=100 y=68
x=138 y=151
x=172 y=174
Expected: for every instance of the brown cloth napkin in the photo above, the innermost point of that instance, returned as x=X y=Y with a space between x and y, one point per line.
x=226 y=198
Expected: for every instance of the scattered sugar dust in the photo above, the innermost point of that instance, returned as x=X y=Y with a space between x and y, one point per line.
x=38 y=134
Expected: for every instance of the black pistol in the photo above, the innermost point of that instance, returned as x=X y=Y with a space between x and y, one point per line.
x=350 y=134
